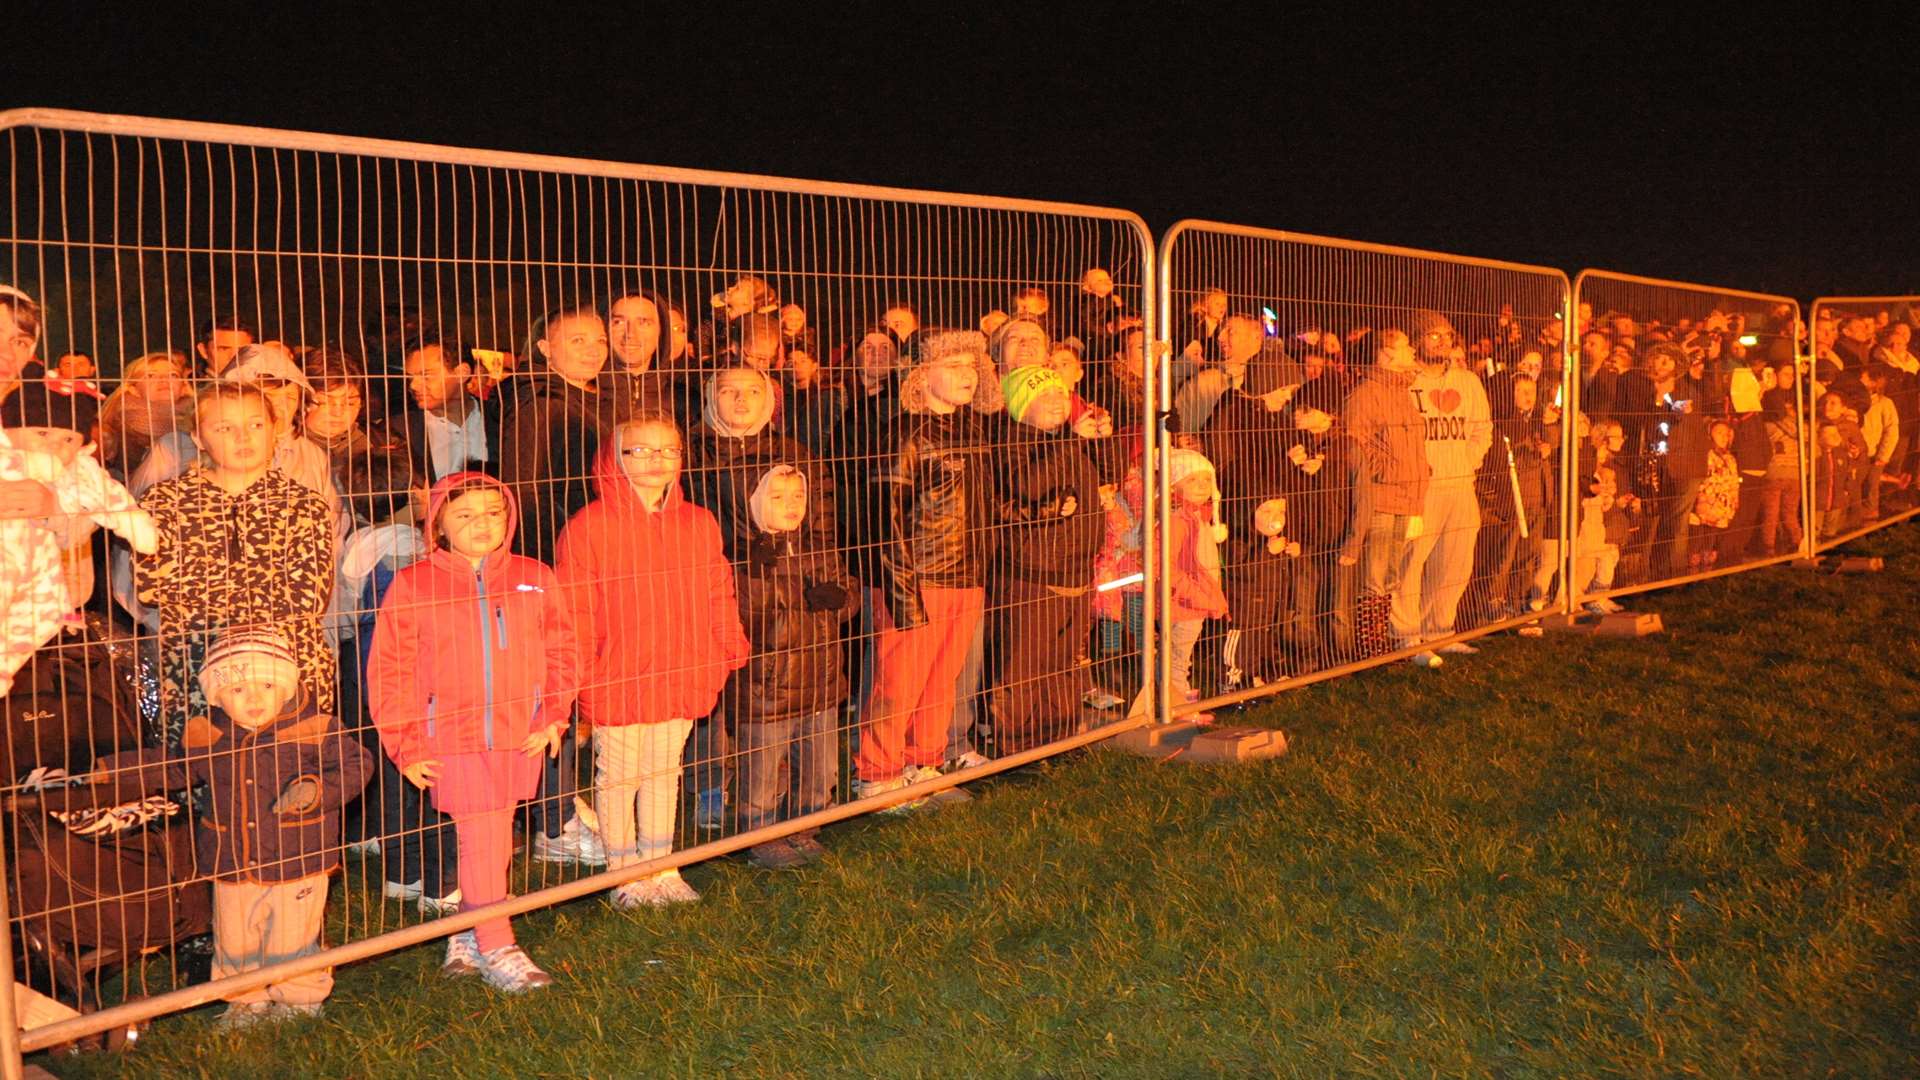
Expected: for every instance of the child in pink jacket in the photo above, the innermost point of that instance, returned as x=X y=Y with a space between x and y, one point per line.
x=472 y=677
x=1194 y=590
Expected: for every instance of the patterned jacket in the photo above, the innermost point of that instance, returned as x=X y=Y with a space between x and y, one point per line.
x=262 y=556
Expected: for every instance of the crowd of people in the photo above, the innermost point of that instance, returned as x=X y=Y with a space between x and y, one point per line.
x=394 y=623
x=1385 y=485
x=395 y=604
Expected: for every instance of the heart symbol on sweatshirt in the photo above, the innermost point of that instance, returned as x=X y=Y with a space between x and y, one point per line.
x=1446 y=400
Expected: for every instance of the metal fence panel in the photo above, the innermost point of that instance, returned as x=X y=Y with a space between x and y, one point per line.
x=1687 y=415
x=915 y=426
x=1380 y=426
x=1864 y=425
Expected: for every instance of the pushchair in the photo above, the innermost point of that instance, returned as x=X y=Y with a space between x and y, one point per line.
x=91 y=889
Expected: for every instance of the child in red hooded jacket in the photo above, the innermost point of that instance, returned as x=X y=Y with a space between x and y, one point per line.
x=472 y=678
x=654 y=606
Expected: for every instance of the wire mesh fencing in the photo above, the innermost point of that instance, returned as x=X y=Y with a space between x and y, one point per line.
x=1363 y=458
x=472 y=531
x=1863 y=419
x=468 y=532
x=1690 y=450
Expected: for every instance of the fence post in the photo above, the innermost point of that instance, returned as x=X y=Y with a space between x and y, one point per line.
x=1804 y=405
x=1570 y=445
x=11 y=1066
x=1157 y=495
x=1153 y=436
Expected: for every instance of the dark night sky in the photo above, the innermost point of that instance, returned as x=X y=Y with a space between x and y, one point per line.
x=1774 y=158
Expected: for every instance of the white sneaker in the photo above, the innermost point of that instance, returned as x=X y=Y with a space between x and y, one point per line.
x=660 y=890
x=576 y=843
x=1604 y=606
x=436 y=906
x=1102 y=698
x=1427 y=660
x=510 y=969
x=393 y=890
x=463 y=956
x=972 y=759
x=867 y=789
x=1458 y=648
x=364 y=848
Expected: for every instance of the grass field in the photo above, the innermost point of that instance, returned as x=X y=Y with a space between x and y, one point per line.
x=1688 y=855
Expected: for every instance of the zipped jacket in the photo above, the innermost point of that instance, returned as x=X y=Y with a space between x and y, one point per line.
x=938 y=487
x=276 y=791
x=466 y=660
x=653 y=604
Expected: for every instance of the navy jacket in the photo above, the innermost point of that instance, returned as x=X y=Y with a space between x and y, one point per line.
x=277 y=791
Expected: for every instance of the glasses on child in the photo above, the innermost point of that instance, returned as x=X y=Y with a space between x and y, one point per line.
x=643 y=453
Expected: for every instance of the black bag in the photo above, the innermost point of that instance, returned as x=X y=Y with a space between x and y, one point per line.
x=72 y=701
x=92 y=898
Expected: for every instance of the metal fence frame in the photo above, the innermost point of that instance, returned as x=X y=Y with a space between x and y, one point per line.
x=1169 y=241
x=1809 y=428
x=14 y=1042
x=1575 y=595
x=1157 y=302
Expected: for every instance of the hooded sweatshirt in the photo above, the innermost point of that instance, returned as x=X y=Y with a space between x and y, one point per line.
x=469 y=660
x=1459 y=426
x=1389 y=434
x=653 y=604
x=796 y=668
x=725 y=461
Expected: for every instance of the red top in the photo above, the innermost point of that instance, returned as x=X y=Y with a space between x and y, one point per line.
x=469 y=660
x=653 y=604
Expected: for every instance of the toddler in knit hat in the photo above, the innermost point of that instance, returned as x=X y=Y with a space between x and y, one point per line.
x=277 y=774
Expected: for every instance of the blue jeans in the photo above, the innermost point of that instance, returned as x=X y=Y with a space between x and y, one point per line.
x=798 y=758
x=967 y=696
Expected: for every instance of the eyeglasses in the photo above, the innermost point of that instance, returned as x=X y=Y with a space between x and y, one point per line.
x=643 y=453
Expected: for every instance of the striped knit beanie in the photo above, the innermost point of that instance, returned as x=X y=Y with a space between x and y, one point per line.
x=248 y=653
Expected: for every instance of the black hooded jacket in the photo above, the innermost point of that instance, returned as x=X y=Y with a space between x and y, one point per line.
x=788 y=588
x=1050 y=504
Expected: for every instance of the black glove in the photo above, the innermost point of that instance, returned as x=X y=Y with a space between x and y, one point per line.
x=762 y=553
x=826 y=596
